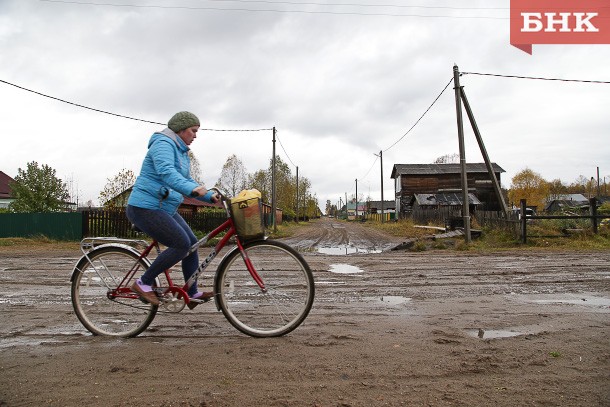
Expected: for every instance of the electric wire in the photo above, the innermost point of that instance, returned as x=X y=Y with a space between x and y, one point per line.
x=79 y=105
x=301 y=3
x=370 y=169
x=281 y=145
x=115 y=114
x=422 y=116
x=534 y=77
x=353 y=13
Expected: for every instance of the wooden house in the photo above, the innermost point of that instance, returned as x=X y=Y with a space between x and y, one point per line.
x=412 y=179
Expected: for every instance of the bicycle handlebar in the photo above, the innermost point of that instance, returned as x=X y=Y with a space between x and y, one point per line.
x=221 y=196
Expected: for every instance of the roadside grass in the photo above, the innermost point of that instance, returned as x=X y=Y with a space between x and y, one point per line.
x=547 y=234
x=285 y=229
x=40 y=242
x=542 y=234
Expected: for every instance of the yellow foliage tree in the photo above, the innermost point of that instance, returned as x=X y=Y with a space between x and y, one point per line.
x=529 y=185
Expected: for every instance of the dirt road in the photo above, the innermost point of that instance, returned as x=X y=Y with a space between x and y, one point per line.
x=437 y=328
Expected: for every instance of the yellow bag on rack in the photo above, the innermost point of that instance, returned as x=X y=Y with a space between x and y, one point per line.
x=247 y=212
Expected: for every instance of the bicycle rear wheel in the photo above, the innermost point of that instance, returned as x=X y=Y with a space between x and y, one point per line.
x=100 y=305
x=286 y=300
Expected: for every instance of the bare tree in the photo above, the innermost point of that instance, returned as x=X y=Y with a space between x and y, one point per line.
x=196 y=172
x=114 y=194
x=233 y=176
x=448 y=159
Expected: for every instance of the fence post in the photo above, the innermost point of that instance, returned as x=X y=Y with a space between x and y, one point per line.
x=593 y=212
x=85 y=224
x=523 y=222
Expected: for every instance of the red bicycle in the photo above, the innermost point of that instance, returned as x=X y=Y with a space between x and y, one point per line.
x=263 y=287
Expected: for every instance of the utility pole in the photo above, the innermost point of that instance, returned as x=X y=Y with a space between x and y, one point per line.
x=381 y=158
x=598 y=191
x=490 y=171
x=297 y=194
x=356 y=198
x=460 y=125
x=273 y=221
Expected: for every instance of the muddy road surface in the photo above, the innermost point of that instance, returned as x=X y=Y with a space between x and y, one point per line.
x=388 y=328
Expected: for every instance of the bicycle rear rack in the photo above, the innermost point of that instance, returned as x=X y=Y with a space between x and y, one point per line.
x=90 y=243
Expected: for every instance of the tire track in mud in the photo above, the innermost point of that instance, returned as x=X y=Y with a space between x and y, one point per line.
x=328 y=233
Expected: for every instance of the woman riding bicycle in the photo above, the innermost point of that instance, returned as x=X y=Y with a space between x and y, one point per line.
x=153 y=205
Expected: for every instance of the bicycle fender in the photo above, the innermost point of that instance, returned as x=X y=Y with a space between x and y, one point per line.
x=85 y=258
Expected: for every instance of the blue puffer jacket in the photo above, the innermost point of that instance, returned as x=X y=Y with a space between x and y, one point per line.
x=165 y=175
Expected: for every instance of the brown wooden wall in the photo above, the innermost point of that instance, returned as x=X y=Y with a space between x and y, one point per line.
x=478 y=183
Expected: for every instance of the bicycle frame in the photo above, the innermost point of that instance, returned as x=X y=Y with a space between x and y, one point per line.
x=230 y=228
x=123 y=289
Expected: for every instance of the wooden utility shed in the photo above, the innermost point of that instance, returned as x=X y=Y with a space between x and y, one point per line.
x=412 y=179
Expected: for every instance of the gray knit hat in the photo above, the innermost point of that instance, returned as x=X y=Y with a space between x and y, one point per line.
x=181 y=121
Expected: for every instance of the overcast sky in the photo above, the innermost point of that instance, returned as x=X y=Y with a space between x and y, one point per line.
x=339 y=82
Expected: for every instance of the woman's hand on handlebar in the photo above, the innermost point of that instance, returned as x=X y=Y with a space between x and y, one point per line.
x=201 y=191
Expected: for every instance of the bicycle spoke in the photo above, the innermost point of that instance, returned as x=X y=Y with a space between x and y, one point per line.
x=283 y=305
x=99 y=306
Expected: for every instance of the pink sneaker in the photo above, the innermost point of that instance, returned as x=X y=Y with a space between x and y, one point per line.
x=200 y=298
x=145 y=292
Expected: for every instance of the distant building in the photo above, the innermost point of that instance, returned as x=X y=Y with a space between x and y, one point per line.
x=444 y=179
x=6 y=195
x=564 y=202
x=572 y=203
x=375 y=206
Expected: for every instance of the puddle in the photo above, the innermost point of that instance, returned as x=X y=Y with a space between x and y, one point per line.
x=586 y=300
x=493 y=333
x=390 y=300
x=578 y=300
x=345 y=269
x=345 y=249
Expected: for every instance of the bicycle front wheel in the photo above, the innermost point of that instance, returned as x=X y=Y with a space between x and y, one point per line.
x=101 y=298
x=288 y=292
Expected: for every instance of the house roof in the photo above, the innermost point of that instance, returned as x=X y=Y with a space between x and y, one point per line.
x=352 y=206
x=450 y=199
x=386 y=204
x=5 y=189
x=570 y=197
x=437 y=169
x=195 y=202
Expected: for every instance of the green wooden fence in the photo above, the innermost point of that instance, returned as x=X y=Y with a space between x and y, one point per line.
x=76 y=225
x=60 y=225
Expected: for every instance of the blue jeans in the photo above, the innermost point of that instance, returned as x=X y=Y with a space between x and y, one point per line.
x=172 y=232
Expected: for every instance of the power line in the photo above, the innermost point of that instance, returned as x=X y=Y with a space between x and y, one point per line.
x=281 y=145
x=534 y=77
x=78 y=105
x=378 y=14
x=421 y=117
x=369 y=171
x=111 y=113
x=358 y=5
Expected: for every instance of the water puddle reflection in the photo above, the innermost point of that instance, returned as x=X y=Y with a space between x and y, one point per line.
x=576 y=300
x=345 y=249
x=493 y=333
x=390 y=300
x=345 y=269
x=587 y=300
